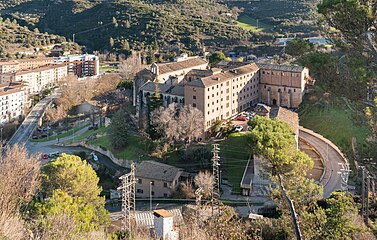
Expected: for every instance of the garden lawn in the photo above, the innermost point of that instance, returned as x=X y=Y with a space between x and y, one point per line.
x=68 y=133
x=135 y=149
x=235 y=152
x=252 y=24
x=88 y=133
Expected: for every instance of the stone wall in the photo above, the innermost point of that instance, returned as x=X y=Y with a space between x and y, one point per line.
x=121 y=162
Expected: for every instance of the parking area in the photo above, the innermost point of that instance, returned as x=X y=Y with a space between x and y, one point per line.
x=239 y=122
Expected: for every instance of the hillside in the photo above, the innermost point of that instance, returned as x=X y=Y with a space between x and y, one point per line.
x=282 y=16
x=17 y=41
x=168 y=24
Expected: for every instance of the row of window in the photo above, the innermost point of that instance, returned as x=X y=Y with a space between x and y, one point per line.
x=282 y=74
x=140 y=181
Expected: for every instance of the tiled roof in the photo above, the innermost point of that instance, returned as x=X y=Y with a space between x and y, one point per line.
x=162 y=213
x=176 y=90
x=176 y=66
x=278 y=67
x=224 y=76
x=287 y=116
x=41 y=69
x=156 y=170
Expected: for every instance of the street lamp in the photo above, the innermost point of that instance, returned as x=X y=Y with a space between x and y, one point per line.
x=150 y=195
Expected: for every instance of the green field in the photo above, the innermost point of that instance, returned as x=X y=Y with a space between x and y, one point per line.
x=337 y=121
x=252 y=24
x=235 y=152
x=135 y=149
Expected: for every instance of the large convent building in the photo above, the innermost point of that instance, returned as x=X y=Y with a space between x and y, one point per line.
x=221 y=93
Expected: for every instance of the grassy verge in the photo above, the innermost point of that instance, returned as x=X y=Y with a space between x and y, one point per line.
x=252 y=24
x=335 y=120
x=235 y=152
x=66 y=134
x=135 y=149
x=88 y=133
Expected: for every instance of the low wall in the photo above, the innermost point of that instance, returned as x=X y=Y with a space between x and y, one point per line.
x=332 y=145
x=107 y=153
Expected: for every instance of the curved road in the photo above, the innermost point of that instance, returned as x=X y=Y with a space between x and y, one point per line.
x=332 y=159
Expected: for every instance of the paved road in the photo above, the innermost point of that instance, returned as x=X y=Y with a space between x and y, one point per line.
x=30 y=123
x=331 y=180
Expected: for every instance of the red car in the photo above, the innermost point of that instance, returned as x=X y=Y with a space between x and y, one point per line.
x=241 y=118
x=44 y=156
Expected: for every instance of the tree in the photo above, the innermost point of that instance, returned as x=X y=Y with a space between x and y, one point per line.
x=70 y=186
x=354 y=23
x=205 y=181
x=165 y=122
x=118 y=129
x=190 y=123
x=125 y=45
x=19 y=174
x=273 y=141
x=298 y=47
x=217 y=57
x=130 y=67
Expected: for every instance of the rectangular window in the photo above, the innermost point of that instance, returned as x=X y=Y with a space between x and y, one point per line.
x=165 y=195
x=193 y=97
x=194 y=104
x=165 y=184
x=140 y=181
x=139 y=190
x=152 y=183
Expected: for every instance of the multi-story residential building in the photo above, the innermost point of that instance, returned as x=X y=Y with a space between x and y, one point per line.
x=12 y=102
x=37 y=79
x=24 y=64
x=158 y=179
x=86 y=65
x=221 y=93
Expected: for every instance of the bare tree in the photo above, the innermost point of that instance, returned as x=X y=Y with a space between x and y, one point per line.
x=190 y=122
x=129 y=67
x=166 y=122
x=187 y=189
x=205 y=181
x=19 y=174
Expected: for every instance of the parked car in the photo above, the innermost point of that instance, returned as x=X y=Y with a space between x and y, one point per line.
x=241 y=118
x=94 y=156
x=44 y=156
x=237 y=128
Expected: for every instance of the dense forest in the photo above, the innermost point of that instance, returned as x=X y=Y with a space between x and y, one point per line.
x=170 y=25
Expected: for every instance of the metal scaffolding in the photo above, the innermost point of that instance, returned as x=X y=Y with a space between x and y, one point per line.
x=127 y=188
x=216 y=170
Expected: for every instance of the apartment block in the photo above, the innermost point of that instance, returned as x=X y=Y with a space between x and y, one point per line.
x=37 y=79
x=13 y=98
x=24 y=64
x=86 y=65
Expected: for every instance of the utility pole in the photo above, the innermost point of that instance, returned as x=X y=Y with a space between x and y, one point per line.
x=367 y=202
x=73 y=38
x=127 y=188
x=362 y=191
x=216 y=170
